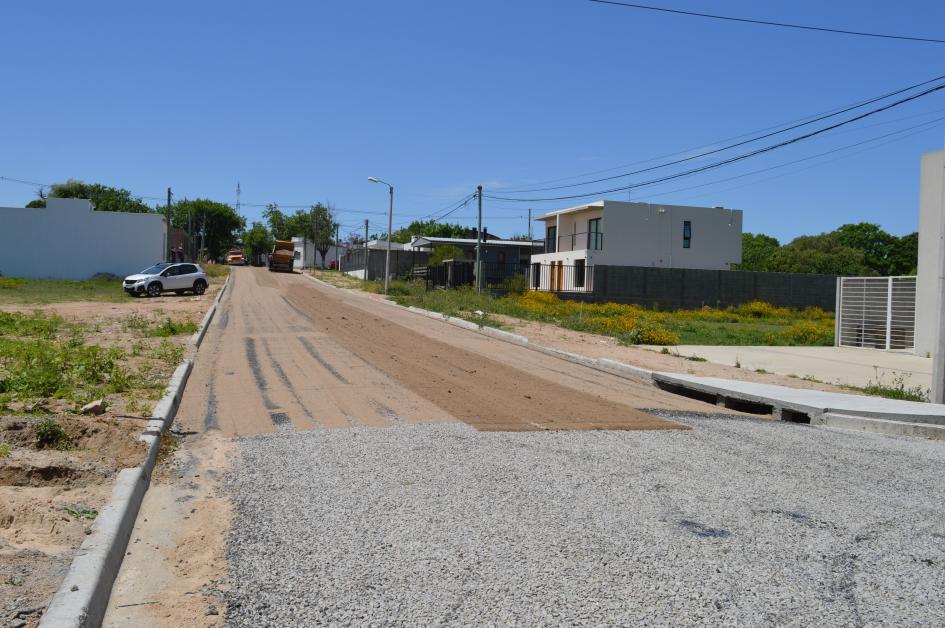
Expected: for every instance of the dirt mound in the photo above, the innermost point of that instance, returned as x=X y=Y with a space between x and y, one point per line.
x=107 y=442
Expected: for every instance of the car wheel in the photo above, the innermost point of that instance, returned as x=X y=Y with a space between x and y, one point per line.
x=154 y=289
x=200 y=286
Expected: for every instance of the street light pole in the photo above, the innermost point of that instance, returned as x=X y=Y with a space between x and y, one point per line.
x=390 y=226
x=479 y=243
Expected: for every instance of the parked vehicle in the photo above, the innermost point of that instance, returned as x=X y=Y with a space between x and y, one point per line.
x=165 y=277
x=235 y=257
x=282 y=257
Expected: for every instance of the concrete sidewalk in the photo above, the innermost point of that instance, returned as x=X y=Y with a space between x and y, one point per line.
x=834 y=365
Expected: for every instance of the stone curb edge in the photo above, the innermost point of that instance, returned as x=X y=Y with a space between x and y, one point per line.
x=82 y=598
x=197 y=338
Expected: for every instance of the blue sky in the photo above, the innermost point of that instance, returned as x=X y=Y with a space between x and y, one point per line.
x=301 y=102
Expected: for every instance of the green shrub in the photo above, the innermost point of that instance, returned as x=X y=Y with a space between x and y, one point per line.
x=50 y=435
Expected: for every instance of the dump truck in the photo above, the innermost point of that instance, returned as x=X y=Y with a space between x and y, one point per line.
x=282 y=257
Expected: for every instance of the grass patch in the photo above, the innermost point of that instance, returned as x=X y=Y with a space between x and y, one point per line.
x=168 y=353
x=897 y=389
x=19 y=291
x=216 y=271
x=5 y=450
x=172 y=328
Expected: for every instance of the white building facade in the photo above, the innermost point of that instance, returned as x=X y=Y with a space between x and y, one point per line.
x=68 y=239
x=307 y=257
x=619 y=233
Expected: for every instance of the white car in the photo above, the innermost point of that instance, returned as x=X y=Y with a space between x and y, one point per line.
x=165 y=277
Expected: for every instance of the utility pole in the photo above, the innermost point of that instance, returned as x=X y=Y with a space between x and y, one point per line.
x=479 y=242
x=390 y=226
x=203 y=232
x=529 y=225
x=365 y=277
x=237 y=198
x=170 y=245
x=190 y=232
x=337 y=248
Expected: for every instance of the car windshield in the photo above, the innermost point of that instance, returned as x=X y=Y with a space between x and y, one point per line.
x=154 y=269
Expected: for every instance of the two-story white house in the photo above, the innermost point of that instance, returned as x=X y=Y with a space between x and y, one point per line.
x=619 y=233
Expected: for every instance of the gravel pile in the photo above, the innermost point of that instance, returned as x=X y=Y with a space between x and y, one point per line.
x=737 y=521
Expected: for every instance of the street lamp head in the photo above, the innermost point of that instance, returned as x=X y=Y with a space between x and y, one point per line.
x=373 y=180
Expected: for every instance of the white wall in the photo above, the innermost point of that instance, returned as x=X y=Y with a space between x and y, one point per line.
x=311 y=256
x=931 y=215
x=649 y=234
x=68 y=240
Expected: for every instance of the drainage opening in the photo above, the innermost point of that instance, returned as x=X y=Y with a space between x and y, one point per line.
x=683 y=391
x=794 y=416
x=751 y=407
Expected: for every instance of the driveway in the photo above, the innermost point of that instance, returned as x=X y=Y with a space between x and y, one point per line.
x=354 y=463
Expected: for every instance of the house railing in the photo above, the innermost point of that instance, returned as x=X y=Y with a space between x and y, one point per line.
x=590 y=240
x=496 y=276
x=559 y=277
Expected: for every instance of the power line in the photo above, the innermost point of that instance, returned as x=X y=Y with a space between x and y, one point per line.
x=734 y=159
x=729 y=18
x=921 y=127
x=714 y=151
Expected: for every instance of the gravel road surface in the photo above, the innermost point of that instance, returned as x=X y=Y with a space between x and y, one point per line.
x=737 y=521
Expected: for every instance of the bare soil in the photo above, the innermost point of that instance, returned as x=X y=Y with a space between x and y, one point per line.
x=39 y=488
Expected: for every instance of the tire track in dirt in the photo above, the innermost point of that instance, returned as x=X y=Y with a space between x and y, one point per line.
x=486 y=393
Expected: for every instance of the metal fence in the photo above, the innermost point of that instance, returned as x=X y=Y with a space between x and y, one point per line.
x=456 y=273
x=876 y=312
x=558 y=277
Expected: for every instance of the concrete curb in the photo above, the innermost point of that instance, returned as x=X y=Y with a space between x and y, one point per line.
x=83 y=596
x=197 y=338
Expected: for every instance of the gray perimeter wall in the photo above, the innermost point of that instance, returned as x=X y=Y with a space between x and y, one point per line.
x=671 y=288
x=400 y=261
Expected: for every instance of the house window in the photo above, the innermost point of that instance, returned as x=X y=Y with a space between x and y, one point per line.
x=595 y=239
x=551 y=239
x=686 y=234
x=578 y=273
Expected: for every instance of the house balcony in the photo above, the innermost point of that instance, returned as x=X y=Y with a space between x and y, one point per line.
x=584 y=241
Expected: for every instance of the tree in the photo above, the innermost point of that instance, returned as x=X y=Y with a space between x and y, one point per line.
x=823 y=254
x=257 y=240
x=218 y=222
x=444 y=252
x=105 y=198
x=877 y=245
x=904 y=255
x=430 y=228
x=278 y=222
x=758 y=252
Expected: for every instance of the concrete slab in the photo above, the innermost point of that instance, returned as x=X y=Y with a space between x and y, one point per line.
x=834 y=365
x=813 y=403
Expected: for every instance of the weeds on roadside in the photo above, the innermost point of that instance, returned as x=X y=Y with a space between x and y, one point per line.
x=80 y=512
x=5 y=450
x=896 y=390
x=172 y=328
x=168 y=352
x=50 y=435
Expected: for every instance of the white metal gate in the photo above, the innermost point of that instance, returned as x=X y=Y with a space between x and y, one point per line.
x=876 y=312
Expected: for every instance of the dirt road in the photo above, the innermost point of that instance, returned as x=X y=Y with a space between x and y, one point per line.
x=285 y=353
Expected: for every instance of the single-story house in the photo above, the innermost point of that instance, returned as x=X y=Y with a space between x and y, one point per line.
x=68 y=239
x=306 y=256
x=493 y=251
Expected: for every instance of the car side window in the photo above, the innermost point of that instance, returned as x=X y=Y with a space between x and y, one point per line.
x=188 y=269
x=173 y=271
